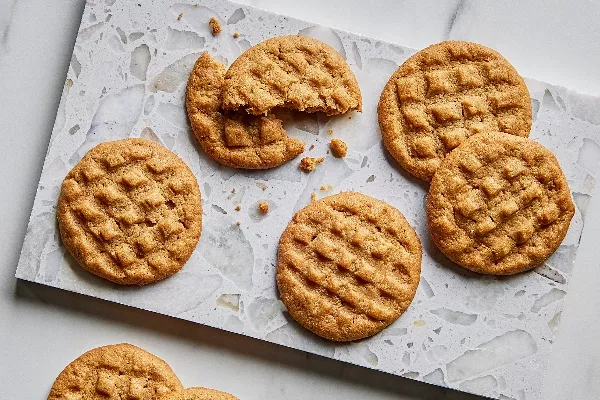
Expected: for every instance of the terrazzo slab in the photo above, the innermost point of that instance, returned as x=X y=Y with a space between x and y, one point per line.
x=479 y=334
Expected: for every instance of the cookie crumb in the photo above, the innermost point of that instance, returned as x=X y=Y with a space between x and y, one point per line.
x=238 y=208
x=312 y=146
x=233 y=190
x=263 y=207
x=330 y=131
x=308 y=164
x=69 y=83
x=238 y=223
x=236 y=35
x=262 y=186
x=326 y=188
x=179 y=16
x=215 y=26
x=313 y=196
x=196 y=4
x=339 y=148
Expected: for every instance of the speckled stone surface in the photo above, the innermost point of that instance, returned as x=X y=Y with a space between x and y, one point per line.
x=127 y=79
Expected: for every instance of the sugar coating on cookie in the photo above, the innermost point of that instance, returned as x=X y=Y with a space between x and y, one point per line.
x=130 y=212
x=231 y=138
x=120 y=371
x=199 y=393
x=442 y=95
x=348 y=266
x=499 y=204
x=297 y=72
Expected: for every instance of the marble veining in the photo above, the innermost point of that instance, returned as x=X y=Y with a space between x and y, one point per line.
x=480 y=334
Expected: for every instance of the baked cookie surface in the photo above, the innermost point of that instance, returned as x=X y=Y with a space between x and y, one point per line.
x=297 y=72
x=199 y=393
x=348 y=266
x=442 y=95
x=499 y=204
x=120 y=371
x=233 y=138
x=130 y=212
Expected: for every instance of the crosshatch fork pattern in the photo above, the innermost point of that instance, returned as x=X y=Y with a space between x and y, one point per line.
x=348 y=266
x=130 y=211
x=499 y=204
x=444 y=94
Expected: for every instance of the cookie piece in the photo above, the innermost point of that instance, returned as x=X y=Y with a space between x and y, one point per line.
x=119 y=371
x=348 y=266
x=442 y=95
x=338 y=147
x=297 y=72
x=499 y=204
x=234 y=139
x=130 y=212
x=309 y=164
x=199 y=393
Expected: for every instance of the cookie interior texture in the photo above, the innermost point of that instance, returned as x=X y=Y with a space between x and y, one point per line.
x=297 y=72
x=233 y=138
x=348 y=266
x=499 y=204
x=116 y=371
x=200 y=393
x=442 y=95
x=130 y=212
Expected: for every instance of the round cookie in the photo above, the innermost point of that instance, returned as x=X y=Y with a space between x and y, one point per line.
x=233 y=138
x=348 y=266
x=297 y=72
x=199 y=393
x=130 y=212
x=116 y=371
x=442 y=95
x=499 y=204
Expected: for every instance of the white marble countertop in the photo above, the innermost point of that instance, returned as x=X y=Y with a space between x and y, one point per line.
x=552 y=41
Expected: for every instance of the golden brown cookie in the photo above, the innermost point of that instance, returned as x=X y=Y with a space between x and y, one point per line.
x=499 y=204
x=233 y=138
x=198 y=393
x=298 y=72
x=442 y=95
x=130 y=212
x=348 y=266
x=119 y=371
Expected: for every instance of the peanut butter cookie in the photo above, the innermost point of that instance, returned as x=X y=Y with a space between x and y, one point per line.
x=119 y=371
x=233 y=138
x=348 y=266
x=499 y=204
x=198 y=393
x=442 y=95
x=298 y=72
x=130 y=212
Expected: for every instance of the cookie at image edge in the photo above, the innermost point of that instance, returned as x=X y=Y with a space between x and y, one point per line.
x=348 y=266
x=442 y=95
x=499 y=204
x=200 y=393
x=115 y=371
x=130 y=211
x=234 y=139
x=297 y=72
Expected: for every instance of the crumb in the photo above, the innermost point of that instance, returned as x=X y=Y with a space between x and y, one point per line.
x=330 y=131
x=350 y=117
x=179 y=16
x=326 y=188
x=338 y=147
x=262 y=186
x=238 y=208
x=308 y=164
x=238 y=223
x=69 y=83
x=233 y=190
x=236 y=35
x=215 y=26
x=313 y=196
x=263 y=206
x=195 y=4
x=312 y=146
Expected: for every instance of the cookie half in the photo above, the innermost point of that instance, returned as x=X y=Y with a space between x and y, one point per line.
x=297 y=72
x=130 y=212
x=233 y=138
x=119 y=371
x=499 y=204
x=444 y=94
x=199 y=393
x=348 y=266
